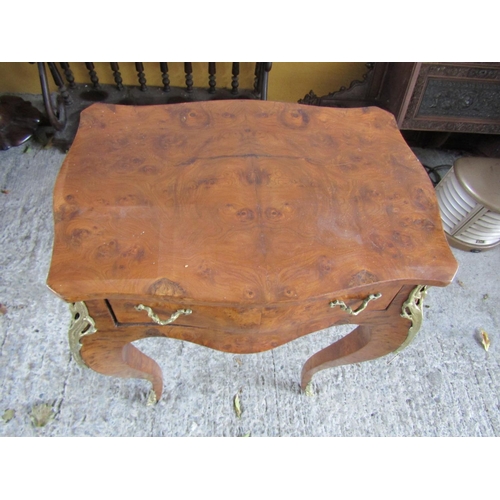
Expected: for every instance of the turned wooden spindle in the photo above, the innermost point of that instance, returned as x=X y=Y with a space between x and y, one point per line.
x=211 y=78
x=68 y=74
x=164 y=74
x=117 y=75
x=139 y=67
x=188 y=69
x=93 y=75
x=234 y=79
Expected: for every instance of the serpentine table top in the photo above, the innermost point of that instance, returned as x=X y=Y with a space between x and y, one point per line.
x=251 y=222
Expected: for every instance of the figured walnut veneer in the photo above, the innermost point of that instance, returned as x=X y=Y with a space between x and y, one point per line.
x=255 y=215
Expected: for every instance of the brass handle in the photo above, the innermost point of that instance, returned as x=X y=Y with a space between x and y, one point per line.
x=157 y=320
x=361 y=308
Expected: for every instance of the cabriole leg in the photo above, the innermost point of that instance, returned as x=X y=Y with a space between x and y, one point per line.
x=95 y=343
x=111 y=357
x=391 y=332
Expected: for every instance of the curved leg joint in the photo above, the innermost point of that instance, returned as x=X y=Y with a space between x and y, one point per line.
x=365 y=343
x=110 y=357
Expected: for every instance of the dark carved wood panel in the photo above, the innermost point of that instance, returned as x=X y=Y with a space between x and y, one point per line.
x=455 y=98
x=461 y=98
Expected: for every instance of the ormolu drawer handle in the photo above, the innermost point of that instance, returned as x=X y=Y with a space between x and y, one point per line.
x=157 y=320
x=361 y=308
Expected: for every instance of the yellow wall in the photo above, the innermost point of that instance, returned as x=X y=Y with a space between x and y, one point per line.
x=292 y=81
x=288 y=81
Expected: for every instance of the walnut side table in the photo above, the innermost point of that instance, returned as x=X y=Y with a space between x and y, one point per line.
x=241 y=226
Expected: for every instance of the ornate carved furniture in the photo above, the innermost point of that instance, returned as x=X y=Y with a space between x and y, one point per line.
x=445 y=97
x=241 y=226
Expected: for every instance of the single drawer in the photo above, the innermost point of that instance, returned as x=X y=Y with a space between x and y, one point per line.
x=256 y=319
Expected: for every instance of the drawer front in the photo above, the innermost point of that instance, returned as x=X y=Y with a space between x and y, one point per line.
x=319 y=314
x=222 y=318
x=270 y=318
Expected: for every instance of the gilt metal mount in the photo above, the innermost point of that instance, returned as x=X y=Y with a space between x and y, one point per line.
x=81 y=324
x=413 y=310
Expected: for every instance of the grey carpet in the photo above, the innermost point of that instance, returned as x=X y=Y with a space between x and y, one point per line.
x=444 y=384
